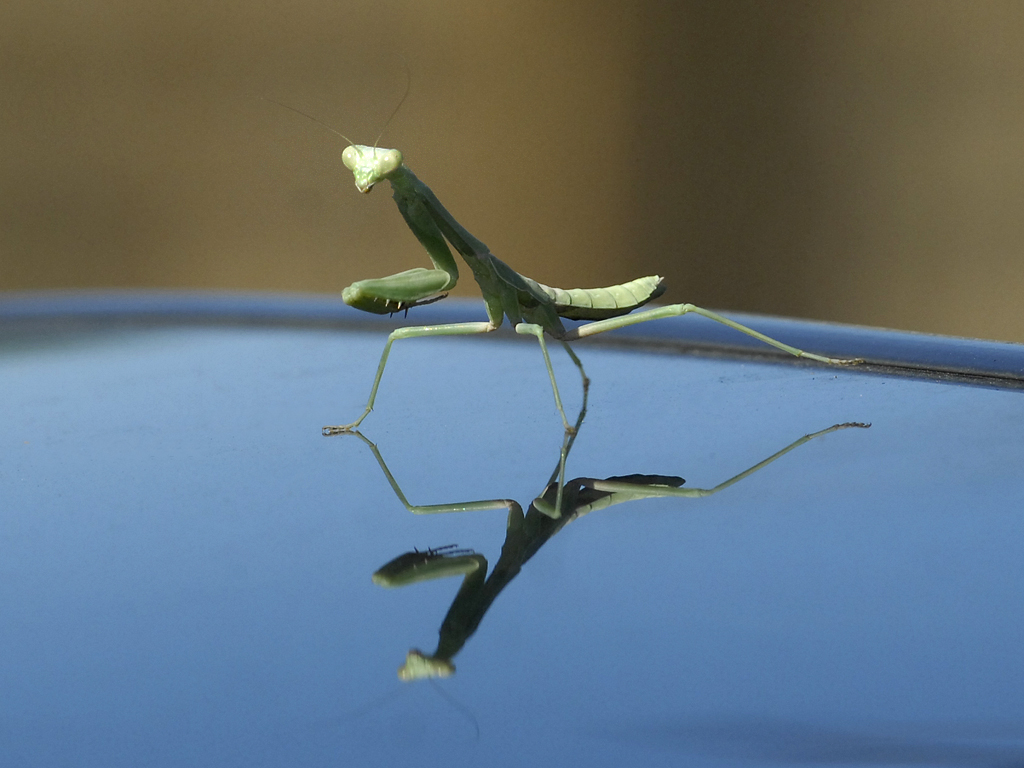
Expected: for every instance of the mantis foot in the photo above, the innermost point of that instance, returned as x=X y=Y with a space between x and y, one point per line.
x=346 y=429
x=827 y=360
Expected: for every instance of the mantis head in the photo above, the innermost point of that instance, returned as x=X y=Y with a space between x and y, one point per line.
x=370 y=164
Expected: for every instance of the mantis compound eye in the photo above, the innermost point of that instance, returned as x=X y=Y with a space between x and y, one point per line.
x=390 y=161
x=350 y=157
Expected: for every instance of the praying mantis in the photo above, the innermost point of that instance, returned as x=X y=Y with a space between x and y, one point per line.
x=532 y=308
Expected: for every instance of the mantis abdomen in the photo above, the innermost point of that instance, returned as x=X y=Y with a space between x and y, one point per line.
x=602 y=303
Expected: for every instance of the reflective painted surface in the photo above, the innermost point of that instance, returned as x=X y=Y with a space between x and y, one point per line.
x=186 y=563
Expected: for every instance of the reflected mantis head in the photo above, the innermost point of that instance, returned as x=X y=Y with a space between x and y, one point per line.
x=420 y=666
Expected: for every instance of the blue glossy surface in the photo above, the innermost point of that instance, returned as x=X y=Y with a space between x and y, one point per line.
x=186 y=562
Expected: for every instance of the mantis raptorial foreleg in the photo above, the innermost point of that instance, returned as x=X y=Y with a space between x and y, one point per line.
x=412 y=288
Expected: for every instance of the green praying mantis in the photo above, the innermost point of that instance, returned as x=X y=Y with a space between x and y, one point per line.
x=532 y=308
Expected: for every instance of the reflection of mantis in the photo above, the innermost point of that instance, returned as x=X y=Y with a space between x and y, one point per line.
x=533 y=308
x=559 y=504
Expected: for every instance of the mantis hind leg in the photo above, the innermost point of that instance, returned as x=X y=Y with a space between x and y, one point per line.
x=583 y=374
x=412 y=332
x=531 y=329
x=675 y=310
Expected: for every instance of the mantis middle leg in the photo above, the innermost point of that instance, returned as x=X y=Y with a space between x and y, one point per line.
x=462 y=329
x=451 y=329
x=431 y=509
x=531 y=329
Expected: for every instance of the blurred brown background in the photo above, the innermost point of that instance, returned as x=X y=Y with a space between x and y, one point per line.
x=855 y=161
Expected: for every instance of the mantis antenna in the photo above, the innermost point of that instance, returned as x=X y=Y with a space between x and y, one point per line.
x=408 y=87
x=401 y=101
x=310 y=117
